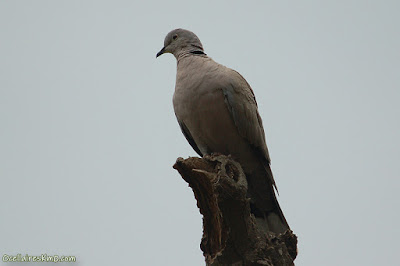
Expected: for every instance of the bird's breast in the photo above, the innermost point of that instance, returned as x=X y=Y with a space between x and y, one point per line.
x=206 y=116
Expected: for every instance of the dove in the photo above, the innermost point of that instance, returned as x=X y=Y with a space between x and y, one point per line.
x=217 y=112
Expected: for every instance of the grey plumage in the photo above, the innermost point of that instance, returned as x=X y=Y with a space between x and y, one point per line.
x=217 y=112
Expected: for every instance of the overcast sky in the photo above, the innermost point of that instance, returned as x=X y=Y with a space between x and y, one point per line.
x=88 y=134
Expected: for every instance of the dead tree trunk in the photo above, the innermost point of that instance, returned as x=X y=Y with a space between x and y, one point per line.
x=230 y=233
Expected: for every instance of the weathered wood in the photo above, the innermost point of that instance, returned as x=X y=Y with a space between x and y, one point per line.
x=230 y=233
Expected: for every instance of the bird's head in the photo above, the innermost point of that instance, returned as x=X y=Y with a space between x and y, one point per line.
x=181 y=41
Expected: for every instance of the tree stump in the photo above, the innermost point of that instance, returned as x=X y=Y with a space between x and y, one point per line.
x=230 y=233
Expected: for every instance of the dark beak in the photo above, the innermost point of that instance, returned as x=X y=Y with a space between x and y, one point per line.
x=160 y=52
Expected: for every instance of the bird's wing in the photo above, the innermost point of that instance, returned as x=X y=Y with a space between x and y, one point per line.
x=189 y=137
x=242 y=105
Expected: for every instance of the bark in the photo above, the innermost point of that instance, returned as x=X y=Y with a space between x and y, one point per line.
x=230 y=232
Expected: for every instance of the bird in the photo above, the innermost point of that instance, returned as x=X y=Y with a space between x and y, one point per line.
x=217 y=112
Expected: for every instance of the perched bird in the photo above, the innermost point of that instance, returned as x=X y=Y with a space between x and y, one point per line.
x=217 y=112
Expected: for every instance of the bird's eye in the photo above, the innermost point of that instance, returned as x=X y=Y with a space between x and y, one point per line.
x=175 y=37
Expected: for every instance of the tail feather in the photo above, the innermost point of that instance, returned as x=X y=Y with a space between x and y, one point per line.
x=263 y=201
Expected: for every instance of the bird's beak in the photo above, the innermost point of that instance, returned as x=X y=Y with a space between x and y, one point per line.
x=160 y=52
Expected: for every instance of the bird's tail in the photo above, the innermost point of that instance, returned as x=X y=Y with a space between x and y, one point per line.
x=263 y=201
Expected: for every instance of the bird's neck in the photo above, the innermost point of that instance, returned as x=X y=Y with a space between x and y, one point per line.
x=189 y=52
x=189 y=61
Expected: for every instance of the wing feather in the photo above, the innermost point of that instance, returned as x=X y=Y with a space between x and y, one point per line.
x=242 y=105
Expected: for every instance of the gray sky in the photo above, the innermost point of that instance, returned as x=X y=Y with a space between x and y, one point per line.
x=88 y=134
